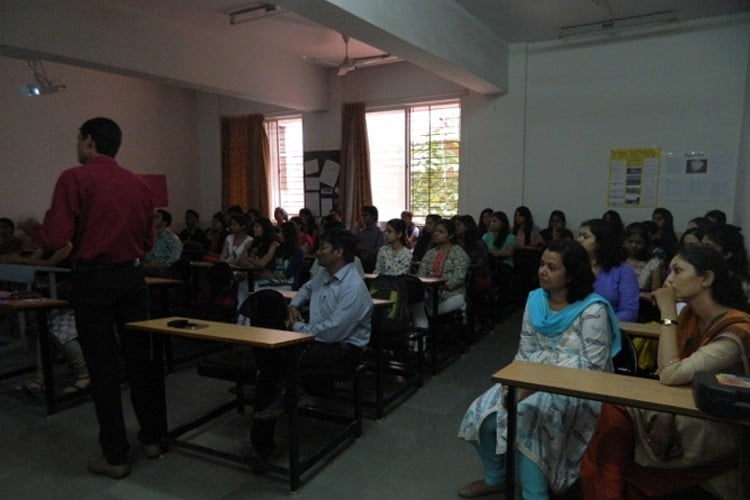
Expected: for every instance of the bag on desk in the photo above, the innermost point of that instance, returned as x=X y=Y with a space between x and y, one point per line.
x=393 y=288
x=722 y=394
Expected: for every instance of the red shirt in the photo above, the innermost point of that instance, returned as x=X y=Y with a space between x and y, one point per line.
x=105 y=210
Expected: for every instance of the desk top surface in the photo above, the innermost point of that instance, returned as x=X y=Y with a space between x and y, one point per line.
x=156 y=281
x=225 y=332
x=290 y=294
x=206 y=264
x=647 y=330
x=608 y=387
x=426 y=280
x=28 y=304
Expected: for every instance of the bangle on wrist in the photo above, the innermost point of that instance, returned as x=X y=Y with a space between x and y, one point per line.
x=667 y=365
x=668 y=322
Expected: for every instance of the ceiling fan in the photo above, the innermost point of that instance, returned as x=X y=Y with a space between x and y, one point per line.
x=349 y=64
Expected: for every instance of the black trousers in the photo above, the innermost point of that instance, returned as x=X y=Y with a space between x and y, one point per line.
x=104 y=299
x=319 y=365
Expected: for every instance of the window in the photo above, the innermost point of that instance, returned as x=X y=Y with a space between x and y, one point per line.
x=414 y=156
x=285 y=176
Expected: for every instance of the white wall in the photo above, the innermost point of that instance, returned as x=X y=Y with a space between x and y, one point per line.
x=682 y=92
x=39 y=134
x=741 y=207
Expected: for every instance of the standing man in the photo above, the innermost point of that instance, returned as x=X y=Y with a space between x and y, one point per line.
x=106 y=213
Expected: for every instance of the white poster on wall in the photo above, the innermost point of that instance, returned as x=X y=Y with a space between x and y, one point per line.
x=695 y=176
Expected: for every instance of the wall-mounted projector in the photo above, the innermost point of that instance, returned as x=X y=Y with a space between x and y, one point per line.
x=34 y=89
x=42 y=85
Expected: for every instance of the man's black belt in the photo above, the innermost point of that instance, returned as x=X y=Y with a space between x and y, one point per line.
x=98 y=266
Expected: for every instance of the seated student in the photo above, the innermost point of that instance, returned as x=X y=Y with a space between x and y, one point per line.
x=564 y=324
x=259 y=256
x=217 y=233
x=369 y=238
x=332 y=226
x=238 y=242
x=309 y=226
x=61 y=326
x=424 y=242
x=716 y=217
x=167 y=247
x=729 y=242
x=412 y=231
x=556 y=227
x=447 y=261
x=340 y=319
x=306 y=242
x=280 y=216
x=501 y=245
x=524 y=229
x=613 y=218
x=484 y=220
x=691 y=236
x=665 y=238
x=394 y=258
x=287 y=261
x=9 y=244
x=661 y=453
x=615 y=280
x=468 y=238
x=647 y=267
x=192 y=232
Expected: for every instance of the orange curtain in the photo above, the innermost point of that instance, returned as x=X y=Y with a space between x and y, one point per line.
x=355 y=184
x=245 y=163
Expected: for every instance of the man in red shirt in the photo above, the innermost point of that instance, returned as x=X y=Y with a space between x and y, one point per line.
x=106 y=212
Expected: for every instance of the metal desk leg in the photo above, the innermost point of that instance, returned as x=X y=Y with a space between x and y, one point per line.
x=510 y=459
x=379 y=406
x=48 y=374
x=291 y=409
x=157 y=357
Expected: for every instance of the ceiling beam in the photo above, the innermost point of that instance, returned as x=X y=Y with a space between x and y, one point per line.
x=436 y=35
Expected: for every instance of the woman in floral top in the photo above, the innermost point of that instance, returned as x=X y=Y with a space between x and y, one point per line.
x=447 y=261
x=394 y=258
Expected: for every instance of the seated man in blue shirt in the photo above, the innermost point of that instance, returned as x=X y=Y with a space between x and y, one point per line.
x=340 y=319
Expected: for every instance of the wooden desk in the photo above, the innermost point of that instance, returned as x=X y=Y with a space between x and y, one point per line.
x=645 y=330
x=599 y=386
x=23 y=273
x=264 y=338
x=290 y=294
x=48 y=377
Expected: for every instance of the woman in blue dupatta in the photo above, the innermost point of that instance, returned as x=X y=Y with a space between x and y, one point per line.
x=564 y=324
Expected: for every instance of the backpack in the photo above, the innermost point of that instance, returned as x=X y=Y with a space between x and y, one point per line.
x=396 y=318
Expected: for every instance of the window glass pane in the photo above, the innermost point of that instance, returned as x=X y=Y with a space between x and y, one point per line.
x=387 y=141
x=434 y=158
x=286 y=180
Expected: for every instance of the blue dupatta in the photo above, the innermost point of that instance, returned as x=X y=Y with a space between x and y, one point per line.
x=552 y=324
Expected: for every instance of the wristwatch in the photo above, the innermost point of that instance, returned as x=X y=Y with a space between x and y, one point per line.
x=668 y=322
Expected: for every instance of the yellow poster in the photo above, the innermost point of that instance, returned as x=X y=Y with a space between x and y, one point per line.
x=633 y=175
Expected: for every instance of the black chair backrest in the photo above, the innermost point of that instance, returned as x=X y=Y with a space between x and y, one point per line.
x=266 y=308
x=626 y=361
x=416 y=288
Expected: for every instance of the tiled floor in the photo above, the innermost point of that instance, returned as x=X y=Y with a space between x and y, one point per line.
x=412 y=453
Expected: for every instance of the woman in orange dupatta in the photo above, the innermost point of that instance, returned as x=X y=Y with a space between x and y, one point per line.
x=636 y=453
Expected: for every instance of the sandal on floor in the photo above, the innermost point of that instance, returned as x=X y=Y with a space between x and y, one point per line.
x=31 y=387
x=80 y=385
